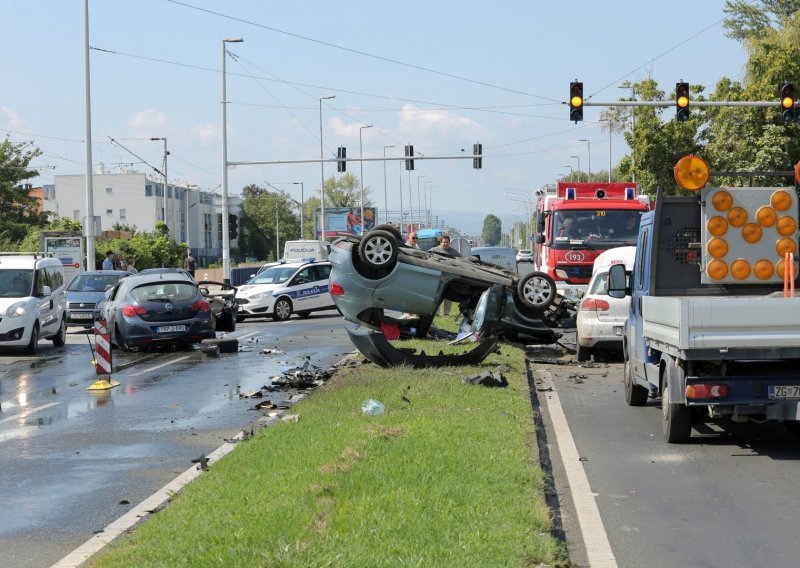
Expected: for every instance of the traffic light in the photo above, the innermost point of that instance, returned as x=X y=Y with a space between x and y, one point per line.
x=787 y=102
x=477 y=150
x=576 y=101
x=409 y=154
x=341 y=155
x=682 y=101
x=233 y=226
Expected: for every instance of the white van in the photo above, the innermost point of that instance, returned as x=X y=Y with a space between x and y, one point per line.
x=302 y=250
x=33 y=301
x=504 y=257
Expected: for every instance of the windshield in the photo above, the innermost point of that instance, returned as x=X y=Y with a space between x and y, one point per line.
x=93 y=282
x=274 y=275
x=15 y=283
x=595 y=228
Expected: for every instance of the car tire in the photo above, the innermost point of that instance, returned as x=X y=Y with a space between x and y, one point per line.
x=582 y=354
x=676 y=421
x=226 y=322
x=635 y=395
x=378 y=250
x=537 y=290
x=304 y=314
x=282 y=310
x=240 y=319
x=225 y=344
x=33 y=344
x=119 y=343
x=389 y=229
x=60 y=338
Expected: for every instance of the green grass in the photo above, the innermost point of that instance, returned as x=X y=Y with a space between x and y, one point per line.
x=449 y=479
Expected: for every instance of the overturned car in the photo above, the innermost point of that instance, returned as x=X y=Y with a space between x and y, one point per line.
x=376 y=274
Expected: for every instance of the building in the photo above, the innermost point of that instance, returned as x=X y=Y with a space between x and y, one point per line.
x=138 y=200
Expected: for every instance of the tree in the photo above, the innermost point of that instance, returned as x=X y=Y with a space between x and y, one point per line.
x=491 y=230
x=19 y=211
x=151 y=249
x=258 y=222
x=345 y=191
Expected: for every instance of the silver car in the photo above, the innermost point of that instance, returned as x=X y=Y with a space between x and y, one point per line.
x=150 y=310
x=86 y=291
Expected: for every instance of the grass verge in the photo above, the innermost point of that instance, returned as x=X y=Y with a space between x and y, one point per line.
x=449 y=478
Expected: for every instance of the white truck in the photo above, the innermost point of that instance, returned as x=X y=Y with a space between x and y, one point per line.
x=710 y=329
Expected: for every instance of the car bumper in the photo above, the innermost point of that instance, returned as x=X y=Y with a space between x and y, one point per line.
x=83 y=318
x=258 y=307
x=14 y=332
x=601 y=334
x=141 y=334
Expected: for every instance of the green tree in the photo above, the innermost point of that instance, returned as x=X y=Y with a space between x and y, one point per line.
x=259 y=211
x=345 y=191
x=19 y=211
x=491 y=233
x=151 y=249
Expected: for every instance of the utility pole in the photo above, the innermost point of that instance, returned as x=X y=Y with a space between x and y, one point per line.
x=385 y=195
x=91 y=262
x=165 y=209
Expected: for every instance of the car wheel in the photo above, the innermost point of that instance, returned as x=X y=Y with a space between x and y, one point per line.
x=389 y=229
x=582 y=353
x=677 y=419
x=240 y=318
x=119 y=342
x=304 y=314
x=33 y=344
x=537 y=290
x=378 y=250
x=60 y=338
x=635 y=395
x=283 y=309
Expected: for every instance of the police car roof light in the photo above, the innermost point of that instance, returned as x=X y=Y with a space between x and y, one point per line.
x=571 y=193
x=309 y=259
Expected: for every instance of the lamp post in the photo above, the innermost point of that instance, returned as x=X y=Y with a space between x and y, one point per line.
x=579 y=166
x=385 y=195
x=589 y=167
x=419 y=201
x=430 y=204
x=88 y=226
x=528 y=204
x=226 y=238
x=164 y=209
x=361 y=155
x=427 y=204
x=322 y=171
x=302 y=207
x=570 y=172
x=633 y=128
x=607 y=120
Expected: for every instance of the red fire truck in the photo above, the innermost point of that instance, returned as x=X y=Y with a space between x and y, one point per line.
x=578 y=221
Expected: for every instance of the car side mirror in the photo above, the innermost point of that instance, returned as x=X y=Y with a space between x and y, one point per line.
x=617 y=281
x=46 y=291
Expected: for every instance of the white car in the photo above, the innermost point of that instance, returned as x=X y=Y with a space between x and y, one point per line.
x=286 y=288
x=33 y=301
x=524 y=255
x=601 y=318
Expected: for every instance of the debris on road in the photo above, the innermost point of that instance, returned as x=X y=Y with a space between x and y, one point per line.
x=270 y=351
x=489 y=378
x=372 y=407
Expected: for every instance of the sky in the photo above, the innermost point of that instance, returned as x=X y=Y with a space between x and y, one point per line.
x=438 y=75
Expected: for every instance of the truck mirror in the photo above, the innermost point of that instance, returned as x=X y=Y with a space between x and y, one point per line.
x=539 y=239
x=617 y=281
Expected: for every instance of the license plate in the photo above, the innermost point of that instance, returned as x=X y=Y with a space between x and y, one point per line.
x=618 y=330
x=170 y=328
x=82 y=316
x=784 y=392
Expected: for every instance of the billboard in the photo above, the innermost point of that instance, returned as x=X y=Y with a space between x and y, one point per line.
x=68 y=247
x=345 y=220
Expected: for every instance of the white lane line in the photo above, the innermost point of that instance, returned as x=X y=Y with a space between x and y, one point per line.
x=160 y=366
x=27 y=413
x=92 y=546
x=595 y=538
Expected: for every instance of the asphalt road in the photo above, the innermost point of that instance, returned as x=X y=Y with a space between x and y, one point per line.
x=727 y=498
x=73 y=460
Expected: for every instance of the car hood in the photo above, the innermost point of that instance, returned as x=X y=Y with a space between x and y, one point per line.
x=250 y=289
x=88 y=297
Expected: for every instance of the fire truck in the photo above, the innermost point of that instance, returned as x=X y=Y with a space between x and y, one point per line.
x=578 y=221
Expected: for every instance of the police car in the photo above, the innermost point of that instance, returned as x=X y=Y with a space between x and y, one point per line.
x=285 y=288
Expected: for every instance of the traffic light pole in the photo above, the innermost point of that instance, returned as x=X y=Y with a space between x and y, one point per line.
x=336 y=160
x=692 y=104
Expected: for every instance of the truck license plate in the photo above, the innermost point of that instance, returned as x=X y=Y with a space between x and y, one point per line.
x=171 y=328
x=784 y=392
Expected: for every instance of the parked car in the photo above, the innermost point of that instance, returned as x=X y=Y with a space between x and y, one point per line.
x=222 y=298
x=166 y=270
x=376 y=273
x=150 y=310
x=525 y=255
x=286 y=288
x=86 y=291
x=601 y=318
x=32 y=301
x=504 y=257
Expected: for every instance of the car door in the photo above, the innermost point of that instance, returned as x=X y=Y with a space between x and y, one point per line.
x=58 y=290
x=303 y=290
x=323 y=276
x=44 y=303
x=640 y=285
x=108 y=306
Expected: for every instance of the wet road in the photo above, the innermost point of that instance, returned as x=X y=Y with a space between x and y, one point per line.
x=727 y=498
x=72 y=460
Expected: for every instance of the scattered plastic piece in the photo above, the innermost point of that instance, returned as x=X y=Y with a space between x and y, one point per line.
x=372 y=407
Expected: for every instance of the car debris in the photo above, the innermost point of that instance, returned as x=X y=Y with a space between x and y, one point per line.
x=493 y=378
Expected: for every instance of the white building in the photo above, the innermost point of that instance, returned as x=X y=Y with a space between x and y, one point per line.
x=136 y=199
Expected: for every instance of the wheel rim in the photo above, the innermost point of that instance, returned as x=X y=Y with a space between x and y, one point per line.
x=537 y=291
x=282 y=309
x=378 y=250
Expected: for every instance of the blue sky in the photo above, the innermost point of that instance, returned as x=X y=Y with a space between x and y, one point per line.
x=515 y=58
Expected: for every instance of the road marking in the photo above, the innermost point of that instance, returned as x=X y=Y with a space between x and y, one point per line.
x=595 y=538
x=240 y=337
x=27 y=413
x=160 y=366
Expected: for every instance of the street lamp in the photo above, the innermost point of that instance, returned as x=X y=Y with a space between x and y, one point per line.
x=302 y=206
x=570 y=172
x=589 y=167
x=427 y=204
x=419 y=201
x=579 y=166
x=608 y=120
x=164 y=208
x=226 y=239
x=361 y=155
x=322 y=169
x=633 y=127
x=430 y=204
x=528 y=203
x=385 y=195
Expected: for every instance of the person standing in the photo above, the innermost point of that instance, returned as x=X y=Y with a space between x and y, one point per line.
x=412 y=241
x=190 y=264
x=132 y=266
x=108 y=263
x=445 y=248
